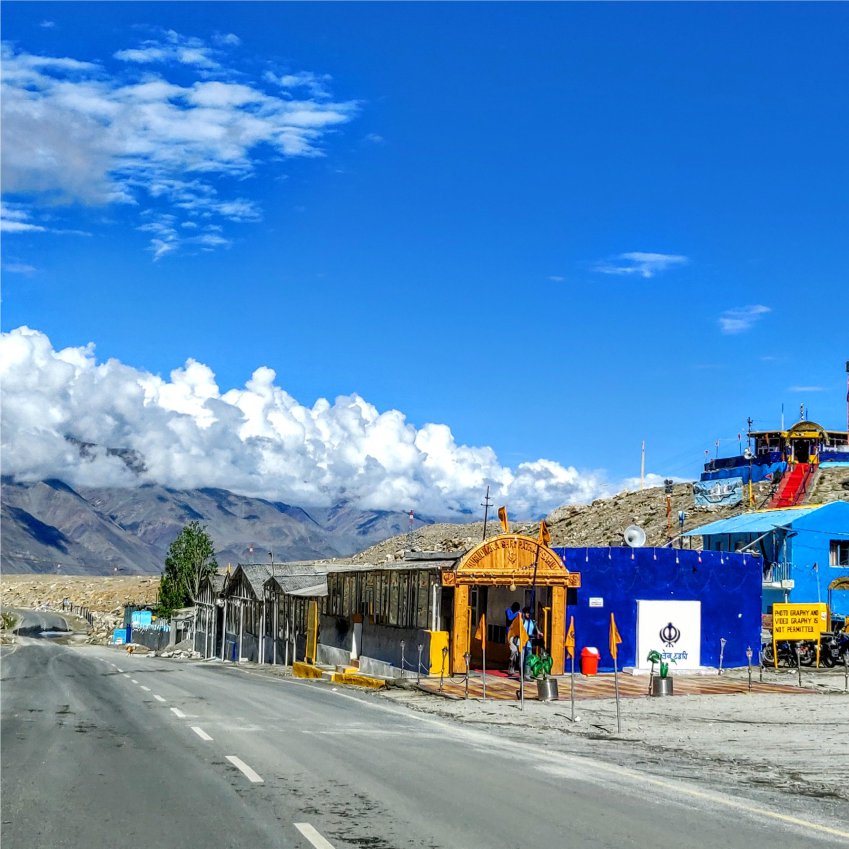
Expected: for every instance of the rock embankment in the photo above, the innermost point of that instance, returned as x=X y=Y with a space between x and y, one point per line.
x=830 y=485
x=601 y=523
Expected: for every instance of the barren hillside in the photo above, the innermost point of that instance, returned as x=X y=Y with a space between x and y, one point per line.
x=598 y=524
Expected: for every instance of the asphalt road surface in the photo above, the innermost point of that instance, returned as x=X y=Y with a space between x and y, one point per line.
x=105 y=749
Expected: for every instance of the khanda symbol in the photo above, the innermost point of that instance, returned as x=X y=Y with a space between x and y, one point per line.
x=670 y=635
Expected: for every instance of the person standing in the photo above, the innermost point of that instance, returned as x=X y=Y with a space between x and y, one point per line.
x=532 y=632
x=510 y=615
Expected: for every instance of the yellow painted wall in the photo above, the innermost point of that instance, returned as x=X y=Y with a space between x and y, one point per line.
x=438 y=641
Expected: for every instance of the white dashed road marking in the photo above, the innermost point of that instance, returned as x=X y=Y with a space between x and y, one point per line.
x=178 y=713
x=146 y=689
x=311 y=834
x=134 y=680
x=158 y=698
x=245 y=769
x=201 y=733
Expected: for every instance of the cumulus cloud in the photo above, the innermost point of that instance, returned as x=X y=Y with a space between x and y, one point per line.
x=185 y=431
x=82 y=132
x=640 y=264
x=741 y=319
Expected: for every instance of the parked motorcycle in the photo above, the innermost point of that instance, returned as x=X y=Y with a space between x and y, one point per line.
x=834 y=649
x=787 y=655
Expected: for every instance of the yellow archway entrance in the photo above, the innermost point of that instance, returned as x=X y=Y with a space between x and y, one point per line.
x=504 y=561
x=841 y=583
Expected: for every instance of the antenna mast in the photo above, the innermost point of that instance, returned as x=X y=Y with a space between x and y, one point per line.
x=487 y=503
x=410 y=533
x=643 y=466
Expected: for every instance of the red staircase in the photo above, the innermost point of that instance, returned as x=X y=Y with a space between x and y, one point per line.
x=793 y=486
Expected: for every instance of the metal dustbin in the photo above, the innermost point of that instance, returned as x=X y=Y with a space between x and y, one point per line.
x=661 y=686
x=547 y=689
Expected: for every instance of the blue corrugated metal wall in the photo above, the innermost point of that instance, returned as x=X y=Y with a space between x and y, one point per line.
x=814 y=534
x=727 y=585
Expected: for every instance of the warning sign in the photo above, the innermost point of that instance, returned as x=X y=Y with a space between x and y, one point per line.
x=799 y=621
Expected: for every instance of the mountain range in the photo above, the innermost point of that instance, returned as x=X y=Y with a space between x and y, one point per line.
x=51 y=526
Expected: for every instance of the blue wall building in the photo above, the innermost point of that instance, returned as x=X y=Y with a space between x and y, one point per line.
x=803 y=551
x=677 y=601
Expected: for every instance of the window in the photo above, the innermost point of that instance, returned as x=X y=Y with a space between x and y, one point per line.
x=839 y=553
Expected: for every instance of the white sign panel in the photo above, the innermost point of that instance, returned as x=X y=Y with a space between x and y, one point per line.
x=673 y=628
x=595 y=601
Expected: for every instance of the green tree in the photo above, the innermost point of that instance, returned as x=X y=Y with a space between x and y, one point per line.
x=190 y=560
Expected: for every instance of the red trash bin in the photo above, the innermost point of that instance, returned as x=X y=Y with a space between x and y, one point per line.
x=589 y=660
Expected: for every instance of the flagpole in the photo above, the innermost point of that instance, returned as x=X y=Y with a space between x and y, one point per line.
x=521 y=675
x=616 y=687
x=483 y=672
x=572 y=684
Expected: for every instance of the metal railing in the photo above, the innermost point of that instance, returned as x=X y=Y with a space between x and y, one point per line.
x=78 y=610
x=775 y=573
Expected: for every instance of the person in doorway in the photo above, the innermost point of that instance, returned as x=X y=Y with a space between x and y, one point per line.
x=512 y=642
x=533 y=634
x=511 y=613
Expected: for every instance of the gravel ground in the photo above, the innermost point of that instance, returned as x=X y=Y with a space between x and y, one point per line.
x=794 y=745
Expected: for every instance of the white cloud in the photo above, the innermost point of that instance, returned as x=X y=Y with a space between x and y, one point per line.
x=256 y=440
x=173 y=48
x=556 y=278
x=316 y=84
x=741 y=319
x=227 y=39
x=47 y=24
x=640 y=263
x=806 y=389
x=75 y=132
x=19 y=268
x=16 y=220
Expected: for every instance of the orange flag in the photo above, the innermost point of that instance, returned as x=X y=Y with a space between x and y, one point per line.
x=517 y=629
x=502 y=515
x=480 y=634
x=570 y=637
x=544 y=535
x=615 y=639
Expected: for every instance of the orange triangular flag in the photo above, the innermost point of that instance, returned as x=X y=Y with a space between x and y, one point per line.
x=502 y=515
x=517 y=629
x=570 y=637
x=480 y=634
x=615 y=639
x=544 y=535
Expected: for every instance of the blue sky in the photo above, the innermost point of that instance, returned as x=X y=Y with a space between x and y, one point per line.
x=558 y=229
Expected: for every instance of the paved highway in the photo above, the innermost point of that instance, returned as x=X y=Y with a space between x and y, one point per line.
x=104 y=749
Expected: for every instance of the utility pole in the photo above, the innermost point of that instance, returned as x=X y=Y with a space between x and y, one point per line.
x=410 y=533
x=643 y=466
x=487 y=502
x=667 y=486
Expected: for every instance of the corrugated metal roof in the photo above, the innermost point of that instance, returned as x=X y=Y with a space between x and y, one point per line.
x=760 y=522
x=391 y=566
x=315 y=591
x=292 y=583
